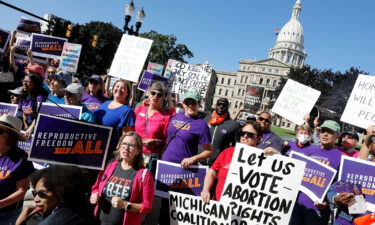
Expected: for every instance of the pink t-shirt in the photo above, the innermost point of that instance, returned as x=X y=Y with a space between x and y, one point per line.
x=156 y=128
x=354 y=154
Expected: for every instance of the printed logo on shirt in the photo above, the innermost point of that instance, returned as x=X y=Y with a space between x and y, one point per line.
x=321 y=159
x=117 y=186
x=142 y=114
x=4 y=173
x=92 y=106
x=181 y=125
x=27 y=110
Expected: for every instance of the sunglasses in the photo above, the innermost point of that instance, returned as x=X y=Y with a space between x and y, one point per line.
x=222 y=104
x=41 y=194
x=248 y=134
x=153 y=93
x=263 y=119
x=191 y=102
x=68 y=94
x=326 y=130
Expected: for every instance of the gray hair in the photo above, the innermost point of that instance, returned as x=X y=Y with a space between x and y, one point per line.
x=158 y=86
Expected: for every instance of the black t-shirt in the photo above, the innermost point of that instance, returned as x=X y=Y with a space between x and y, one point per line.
x=120 y=184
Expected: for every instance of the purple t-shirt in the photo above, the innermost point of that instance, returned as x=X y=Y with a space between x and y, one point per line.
x=330 y=157
x=92 y=103
x=13 y=167
x=185 y=143
x=28 y=106
x=293 y=146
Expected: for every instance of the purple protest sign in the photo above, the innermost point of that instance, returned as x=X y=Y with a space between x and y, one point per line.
x=9 y=109
x=25 y=145
x=68 y=142
x=4 y=38
x=172 y=177
x=29 y=26
x=23 y=44
x=47 y=46
x=317 y=177
x=148 y=79
x=357 y=171
x=66 y=111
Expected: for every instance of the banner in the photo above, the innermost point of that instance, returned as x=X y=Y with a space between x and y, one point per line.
x=68 y=142
x=9 y=109
x=172 y=177
x=4 y=39
x=29 y=26
x=317 y=177
x=26 y=145
x=360 y=109
x=70 y=57
x=187 y=209
x=155 y=68
x=358 y=171
x=253 y=98
x=130 y=57
x=261 y=189
x=68 y=111
x=148 y=79
x=23 y=45
x=47 y=46
x=295 y=101
x=184 y=77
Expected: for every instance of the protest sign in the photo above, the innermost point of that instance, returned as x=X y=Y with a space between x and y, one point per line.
x=148 y=79
x=295 y=101
x=317 y=177
x=188 y=210
x=184 y=77
x=155 y=68
x=47 y=46
x=69 y=142
x=360 y=109
x=61 y=110
x=130 y=57
x=358 y=171
x=260 y=189
x=253 y=98
x=4 y=39
x=70 y=57
x=172 y=177
x=23 y=44
x=9 y=109
x=26 y=145
x=28 y=26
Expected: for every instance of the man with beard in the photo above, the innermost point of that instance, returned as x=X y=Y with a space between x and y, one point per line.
x=223 y=129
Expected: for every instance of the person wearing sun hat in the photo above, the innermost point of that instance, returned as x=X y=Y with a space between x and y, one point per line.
x=14 y=169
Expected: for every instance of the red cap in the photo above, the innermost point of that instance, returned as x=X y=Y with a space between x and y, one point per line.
x=36 y=69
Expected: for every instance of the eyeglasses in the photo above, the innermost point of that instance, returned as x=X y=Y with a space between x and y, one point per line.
x=191 y=102
x=50 y=72
x=224 y=105
x=264 y=119
x=248 y=134
x=68 y=94
x=127 y=145
x=41 y=194
x=153 y=93
x=326 y=130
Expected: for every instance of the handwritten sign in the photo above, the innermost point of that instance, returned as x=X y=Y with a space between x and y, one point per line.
x=47 y=46
x=4 y=39
x=155 y=68
x=28 y=26
x=263 y=186
x=295 y=101
x=70 y=57
x=148 y=79
x=360 y=109
x=253 y=98
x=130 y=57
x=184 y=77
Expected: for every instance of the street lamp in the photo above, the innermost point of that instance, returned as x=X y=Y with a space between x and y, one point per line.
x=129 y=10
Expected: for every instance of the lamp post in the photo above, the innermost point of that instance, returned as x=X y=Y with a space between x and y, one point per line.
x=129 y=10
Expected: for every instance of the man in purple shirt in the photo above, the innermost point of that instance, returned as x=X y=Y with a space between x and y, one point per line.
x=305 y=211
x=269 y=139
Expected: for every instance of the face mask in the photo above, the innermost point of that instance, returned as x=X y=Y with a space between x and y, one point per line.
x=179 y=110
x=303 y=138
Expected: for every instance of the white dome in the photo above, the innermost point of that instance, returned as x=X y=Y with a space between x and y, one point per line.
x=291 y=32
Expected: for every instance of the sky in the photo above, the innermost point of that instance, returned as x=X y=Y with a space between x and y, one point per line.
x=339 y=34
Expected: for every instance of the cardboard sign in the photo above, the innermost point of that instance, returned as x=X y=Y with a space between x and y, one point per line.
x=184 y=77
x=358 y=171
x=295 y=101
x=4 y=39
x=317 y=177
x=66 y=111
x=261 y=189
x=187 y=209
x=47 y=46
x=155 y=68
x=360 y=109
x=253 y=98
x=172 y=177
x=70 y=57
x=29 y=26
x=148 y=79
x=69 y=142
x=130 y=57
x=9 y=109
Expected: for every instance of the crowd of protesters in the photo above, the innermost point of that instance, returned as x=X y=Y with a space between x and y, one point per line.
x=157 y=127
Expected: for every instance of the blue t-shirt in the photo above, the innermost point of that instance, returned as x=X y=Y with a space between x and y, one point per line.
x=55 y=99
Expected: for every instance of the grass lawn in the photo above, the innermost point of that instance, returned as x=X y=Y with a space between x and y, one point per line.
x=281 y=132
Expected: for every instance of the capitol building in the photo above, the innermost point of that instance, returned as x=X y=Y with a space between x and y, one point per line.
x=287 y=52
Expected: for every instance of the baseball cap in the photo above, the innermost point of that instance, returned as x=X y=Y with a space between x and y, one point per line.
x=193 y=95
x=351 y=134
x=17 y=91
x=331 y=124
x=65 y=77
x=36 y=69
x=75 y=88
x=96 y=78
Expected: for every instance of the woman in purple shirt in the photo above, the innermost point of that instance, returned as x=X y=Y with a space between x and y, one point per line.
x=93 y=96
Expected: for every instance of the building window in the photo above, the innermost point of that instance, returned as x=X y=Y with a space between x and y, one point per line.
x=220 y=91
x=226 y=92
x=283 y=124
x=268 y=82
x=241 y=79
x=228 y=81
x=261 y=81
x=288 y=125
x=243 y=92
x=274 y=83
x=222 y=80
x=236 y=105
x=239 y=92
x=270 y=70
x=245 y=80
x=263 y=69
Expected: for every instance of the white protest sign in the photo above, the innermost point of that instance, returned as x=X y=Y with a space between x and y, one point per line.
x=360 y=109
x=70 y=57
x=185 y=77
x=188 y=210
x=261 y=189
x=130 y=56
x=295 y=101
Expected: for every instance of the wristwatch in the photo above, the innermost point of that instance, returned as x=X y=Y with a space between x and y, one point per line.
x=128 y=206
